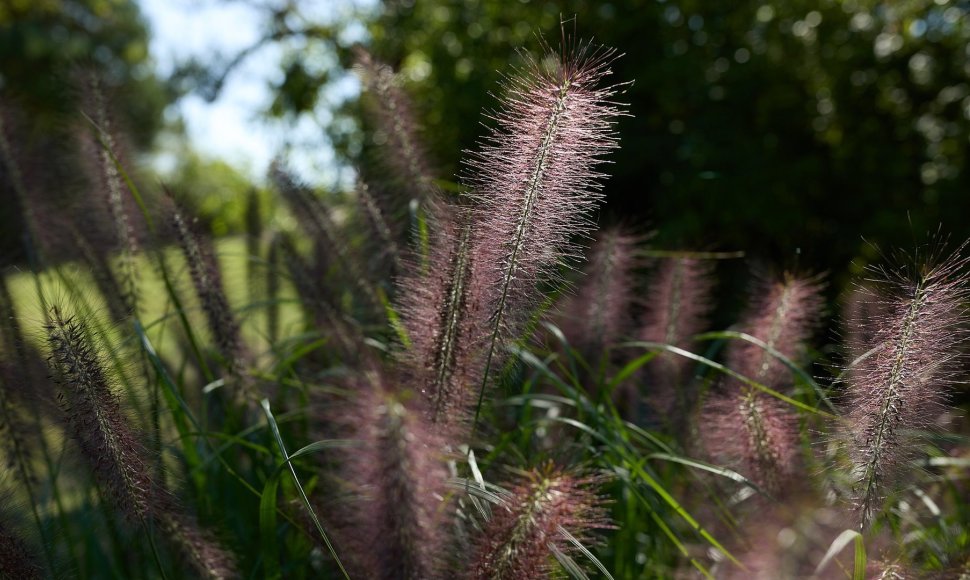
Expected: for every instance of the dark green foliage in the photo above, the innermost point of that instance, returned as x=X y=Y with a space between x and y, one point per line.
x=780 y=126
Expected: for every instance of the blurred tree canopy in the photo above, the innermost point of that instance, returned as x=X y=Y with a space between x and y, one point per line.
x=796 y=131
x=46 y=49
x=770 y=127
x=44 y=42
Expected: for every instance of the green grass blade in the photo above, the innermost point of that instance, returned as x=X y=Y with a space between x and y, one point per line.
x=725 y=370
x=296 y=480
x=722 y=471
x=268 y=544
x=840 y=542
x=807 y=378
x=585 y=551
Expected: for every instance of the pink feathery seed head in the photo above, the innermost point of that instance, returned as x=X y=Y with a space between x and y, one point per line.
x=535 y=175
x=443 y=311
x=345 y=336
x=678 y=302
x=396 y=520
x=206 y=275
x=784 y=314
x=203 y=552
x=382 y=240
x=113 y=447
x=535 y=181
x=104 y=152
x=755 y=434
x=862 y=310
x=518 y=540
x=598 y=315
x=404 y=154
x=677 y=306
x=95 y=417
x=903 y=385
x=316 y=221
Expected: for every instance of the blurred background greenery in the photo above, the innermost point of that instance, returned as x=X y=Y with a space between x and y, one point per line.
x=799 y=131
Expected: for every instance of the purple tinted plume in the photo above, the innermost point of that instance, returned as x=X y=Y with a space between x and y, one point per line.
x=520 y=539
x=207 y=278
x=442 y=309
x=317 y=222
x=404 y=152
x=384 y=242
x=745 y=425
x=535 y=179
x=920 y=327
x=598 y=315
x=398 y=474
x=534 y=183
x=784 y=315
x=95 y=417
x=677 y=308
x=113 y=449
x=755 y=434
x=112 y=188
x=535 y=174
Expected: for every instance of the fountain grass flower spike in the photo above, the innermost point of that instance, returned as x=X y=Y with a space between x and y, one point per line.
x=535 y=179
x=598 y=314
x=919 y=331
x=397 y=518
x=112 y=447
x=745 y=425
x=443 y=312
x=525 y=532
x=677 y=306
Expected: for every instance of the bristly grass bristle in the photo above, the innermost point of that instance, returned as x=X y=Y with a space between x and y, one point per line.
x=527 y=529
x=918 y=330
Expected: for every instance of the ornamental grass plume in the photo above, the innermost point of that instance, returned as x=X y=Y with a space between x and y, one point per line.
x=109 y=182
x=441 y=306
x=396 y=520
x=404 y=152
x=383 y=244
x=745 y=425
x=920 y=327
x=442 y=310
x=677 y=308
x=598 y=314
x=114 y=451
x=784 y=315
x=535 y=182
x=755 y=433
x=207 y=279
x=343 y=332
x=526 y=531
x=315 y=220
x=95 y=417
